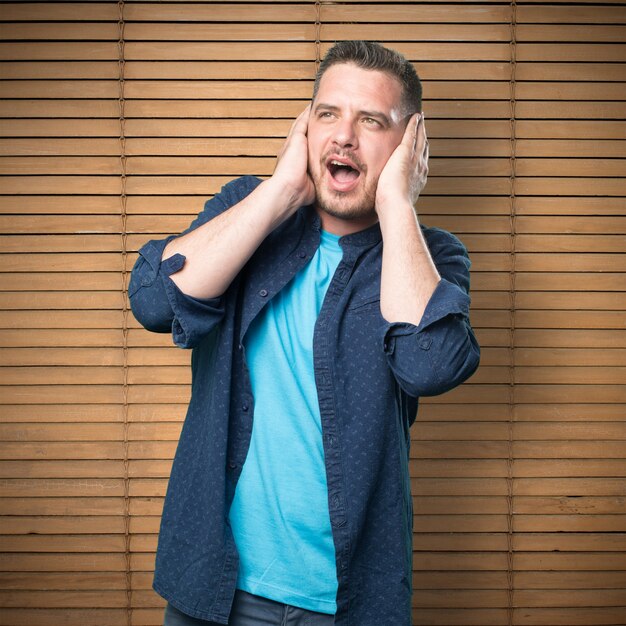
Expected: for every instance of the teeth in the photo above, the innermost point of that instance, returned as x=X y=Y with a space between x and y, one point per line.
x=333 y=162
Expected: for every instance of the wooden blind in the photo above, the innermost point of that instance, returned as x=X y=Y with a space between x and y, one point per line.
x=120 y=119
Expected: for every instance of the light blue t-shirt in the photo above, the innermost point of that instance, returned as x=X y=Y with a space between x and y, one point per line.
x=279 y=514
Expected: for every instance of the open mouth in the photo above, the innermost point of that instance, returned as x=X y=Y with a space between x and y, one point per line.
x=342 y=172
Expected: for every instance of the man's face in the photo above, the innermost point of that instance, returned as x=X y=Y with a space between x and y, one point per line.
x=356 y=122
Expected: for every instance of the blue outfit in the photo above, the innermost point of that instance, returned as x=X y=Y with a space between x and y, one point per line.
x=279 y=515
x=369 y=374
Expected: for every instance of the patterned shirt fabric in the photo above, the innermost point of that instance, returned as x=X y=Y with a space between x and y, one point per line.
x=369 y=375
x=279 y=515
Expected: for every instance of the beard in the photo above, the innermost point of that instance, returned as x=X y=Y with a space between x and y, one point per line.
x=347 y=206
x=355 y=204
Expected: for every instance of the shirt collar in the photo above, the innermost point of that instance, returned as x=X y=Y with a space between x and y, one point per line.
x=361 y=239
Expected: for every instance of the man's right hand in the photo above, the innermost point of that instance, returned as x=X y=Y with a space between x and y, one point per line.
x=291 y=179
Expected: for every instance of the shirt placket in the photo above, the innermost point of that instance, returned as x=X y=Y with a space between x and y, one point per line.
x=258 y=291
x=323 y=351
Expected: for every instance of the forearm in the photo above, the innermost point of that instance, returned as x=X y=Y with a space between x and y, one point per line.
x=409 y=275
x=216 y=251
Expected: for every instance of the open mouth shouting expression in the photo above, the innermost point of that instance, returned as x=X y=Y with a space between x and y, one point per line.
x=356 y=123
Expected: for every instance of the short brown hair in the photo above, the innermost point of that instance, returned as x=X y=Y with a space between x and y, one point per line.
x=372 y=56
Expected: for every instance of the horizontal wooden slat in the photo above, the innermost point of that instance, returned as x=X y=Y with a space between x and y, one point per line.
x=573 y=15
x=66 y=51
x=531 y=450
x=83 y=375
x=90 y=204
x=61 y=242
x=66 y=356
x=90 y=562
x=437 y=410
x=569 y=243
x=331 y=13
x=479 y=467
x=168 y=13
x=421 y=32
x=570 y=32
x=73 y=108
x=571 y=82
x=61 y=319
x=97 y=31
x=71 y=337
x=35 y=70
x=539 y=431
x=570 y=52
x=62 y=469
x=65 y=580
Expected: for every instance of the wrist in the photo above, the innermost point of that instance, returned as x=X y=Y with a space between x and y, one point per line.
x=394 y=208
x=282 y=198
x=283 y=195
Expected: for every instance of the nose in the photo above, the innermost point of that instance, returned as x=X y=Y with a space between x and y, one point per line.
x=344 y=134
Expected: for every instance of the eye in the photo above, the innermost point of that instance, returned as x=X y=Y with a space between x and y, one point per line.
x=325 y=115
x=370 y=121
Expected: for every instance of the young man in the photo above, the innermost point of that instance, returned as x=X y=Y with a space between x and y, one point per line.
x=319 y=311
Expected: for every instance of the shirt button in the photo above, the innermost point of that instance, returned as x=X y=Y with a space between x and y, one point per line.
x=331 y=441
x=232 y=464
x=302 y=254
x=263 y=293
x=244 y=408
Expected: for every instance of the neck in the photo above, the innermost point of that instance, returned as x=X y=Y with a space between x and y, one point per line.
x=342 y=226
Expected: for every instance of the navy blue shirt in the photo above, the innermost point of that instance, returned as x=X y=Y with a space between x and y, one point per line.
x=369 y=374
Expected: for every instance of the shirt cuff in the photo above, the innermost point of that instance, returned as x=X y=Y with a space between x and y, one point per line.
x=447 y=299
x=193 y=317
x=440 y=352
x=160 y=305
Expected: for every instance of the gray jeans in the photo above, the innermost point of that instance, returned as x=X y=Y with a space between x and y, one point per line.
x=249 y=610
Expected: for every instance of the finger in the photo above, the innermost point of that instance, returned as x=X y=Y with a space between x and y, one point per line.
x=301 y=123
x=421 y=141
x=424 y=154
x=408 y=139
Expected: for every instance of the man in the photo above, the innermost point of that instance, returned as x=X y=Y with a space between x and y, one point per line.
x=319 y=310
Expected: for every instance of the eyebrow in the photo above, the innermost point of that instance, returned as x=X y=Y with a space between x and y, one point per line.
x=375 y=114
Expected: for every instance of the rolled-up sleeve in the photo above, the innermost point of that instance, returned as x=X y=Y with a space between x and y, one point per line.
x=441 y=352
x=156 y=301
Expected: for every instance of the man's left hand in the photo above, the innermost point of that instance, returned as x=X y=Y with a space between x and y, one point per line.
x=405 y=174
